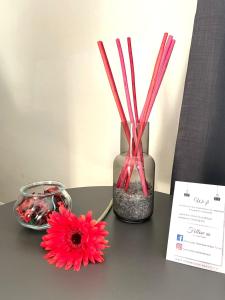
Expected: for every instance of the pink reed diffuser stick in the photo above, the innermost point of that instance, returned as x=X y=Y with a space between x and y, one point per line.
x=123 y=68
x=138 y=124
x=152 y=97
x=133 y=79
x=114 y=89
x=143 y=120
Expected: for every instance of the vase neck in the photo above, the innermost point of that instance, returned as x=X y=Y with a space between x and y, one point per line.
x=124 y=143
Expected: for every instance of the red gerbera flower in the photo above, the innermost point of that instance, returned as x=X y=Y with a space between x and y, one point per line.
x=73 y=240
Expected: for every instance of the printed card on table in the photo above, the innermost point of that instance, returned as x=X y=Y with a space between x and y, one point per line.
x=196 y=235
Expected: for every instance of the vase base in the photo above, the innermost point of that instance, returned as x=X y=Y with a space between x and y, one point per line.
x=131 y=221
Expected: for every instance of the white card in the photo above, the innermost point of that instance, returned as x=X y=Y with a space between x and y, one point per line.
x=196 y=235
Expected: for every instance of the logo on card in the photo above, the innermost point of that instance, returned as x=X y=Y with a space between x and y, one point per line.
x=179 y=246
x=180 y=237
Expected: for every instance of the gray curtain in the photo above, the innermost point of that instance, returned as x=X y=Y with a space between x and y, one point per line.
x=200 y=148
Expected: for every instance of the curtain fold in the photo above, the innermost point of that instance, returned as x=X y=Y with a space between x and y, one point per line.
x=200 y=147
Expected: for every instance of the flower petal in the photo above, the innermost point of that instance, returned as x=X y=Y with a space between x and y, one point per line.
x=62 y=251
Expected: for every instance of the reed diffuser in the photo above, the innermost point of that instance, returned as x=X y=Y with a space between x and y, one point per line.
x=134 y=169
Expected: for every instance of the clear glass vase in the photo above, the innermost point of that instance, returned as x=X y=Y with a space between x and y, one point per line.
x=133 y=178
x=37 y=201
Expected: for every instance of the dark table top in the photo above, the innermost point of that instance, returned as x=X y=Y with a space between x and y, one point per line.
x=135 y=266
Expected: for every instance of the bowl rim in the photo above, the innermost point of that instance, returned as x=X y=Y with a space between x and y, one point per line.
x=23 y=189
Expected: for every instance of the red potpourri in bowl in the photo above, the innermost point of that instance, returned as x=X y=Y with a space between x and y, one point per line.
x=38 y=200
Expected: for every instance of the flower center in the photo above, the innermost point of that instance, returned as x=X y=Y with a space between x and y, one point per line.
x=76 y=238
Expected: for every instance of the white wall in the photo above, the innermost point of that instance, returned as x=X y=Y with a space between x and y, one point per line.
x=58 y=119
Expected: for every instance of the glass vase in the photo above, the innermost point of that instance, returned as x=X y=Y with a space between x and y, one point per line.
x=38 y=200
x=133 y=178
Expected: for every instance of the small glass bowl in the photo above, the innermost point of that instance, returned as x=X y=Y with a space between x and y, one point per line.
x=38 y=200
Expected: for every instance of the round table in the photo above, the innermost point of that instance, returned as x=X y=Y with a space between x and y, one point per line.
x=135 y=266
